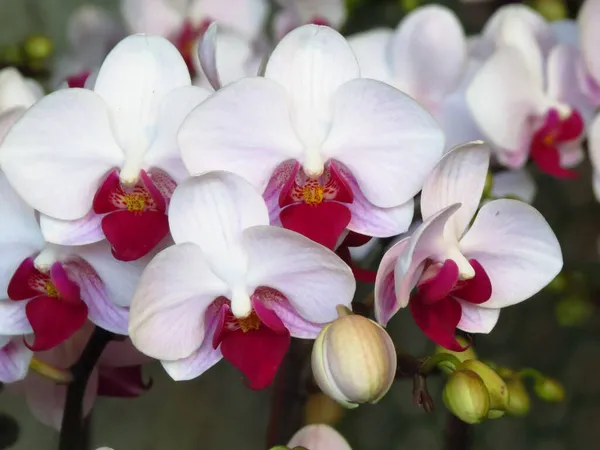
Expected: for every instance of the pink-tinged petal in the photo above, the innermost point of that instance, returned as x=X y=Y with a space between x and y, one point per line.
x=294 y=322
x=571 y=154
x=46 y=398
x=14 y=91
x=287 y=261
x=458 y=178
x=322 y=223
x=371 y=49
x=207 y=54
x=175 y=107
x=280 y=181
x=206 y=356
x=502 y=98
x=514 y=183
x=594 y=151
x=385 y=292
x=56 y=155
x=133 y=235
x=267 y=316
x=13 y=320
x=86 y=230
x=429 y=54
x=122 y=382
x=159 y=17
x=438 y=321
x=173 y=294
x=476 y=290
x=14 y=360
x=439 y=286
x=54 y=321
x=19 y=286
x=590 y=36
x=133 y=81
x=385 y=139
x=243 y=16
x=517 y=248
x=312 y=62
x=227 y=132
x=211 y=211
x=67 y=289
x=475 y=319
x=256 y=353
x=319 y=437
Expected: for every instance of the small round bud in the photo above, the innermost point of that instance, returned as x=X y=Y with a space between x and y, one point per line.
x=466 y=397
x=38 y=47
x=469 y=353
x=499 y=396
x=549 y=389
x=322 y=409
x=354 y=361
x=519 y=402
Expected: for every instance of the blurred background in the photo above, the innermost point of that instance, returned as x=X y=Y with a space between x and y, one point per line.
x=557 y=332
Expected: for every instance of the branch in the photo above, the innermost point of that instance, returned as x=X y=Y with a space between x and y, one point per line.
x=457 y=435
x=71 y=432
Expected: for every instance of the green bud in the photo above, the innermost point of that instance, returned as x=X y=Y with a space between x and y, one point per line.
x=495 y=414
x=573 y=310
x=409 y=5
x=280 y=447
x=38 y=47
x=466 y=397
x=520 y=402
x=469 y=353
x=558 y=284
x=499 y=396
x=549 y=389
x=551 y=9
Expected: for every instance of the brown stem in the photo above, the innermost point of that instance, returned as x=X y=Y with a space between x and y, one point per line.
x=457 y=434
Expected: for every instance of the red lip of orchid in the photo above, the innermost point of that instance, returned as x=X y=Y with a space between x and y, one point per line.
x=136 y=219
x=50 y=294
x=186 y=41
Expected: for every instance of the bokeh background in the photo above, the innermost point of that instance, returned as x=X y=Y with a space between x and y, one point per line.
x=557 y=332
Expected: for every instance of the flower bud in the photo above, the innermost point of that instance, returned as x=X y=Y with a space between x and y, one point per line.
x=466 y=397
x=499 y=396
x=549 y=389
x=469 y=353
x=354 y=361
x=38 y=47
x=519 y=402
x=318 y=437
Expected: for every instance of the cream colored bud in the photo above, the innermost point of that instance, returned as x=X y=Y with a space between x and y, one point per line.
x=466 y=396
x=520 y=402
x=354 y=361
x=499 y=395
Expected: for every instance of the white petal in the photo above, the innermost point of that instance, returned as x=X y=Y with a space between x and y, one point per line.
x=207 y=55
x=8 y=118
x=476 y=319
x=312 y=62
x=590 y=36
x=594 y=150
x=429 y=54
x=13 y=320
x=14 y=360
x=212 y=211
x=297 y=325
x=385 y=294
x=20 y=236
x=86 y=230
x=133 y=81
x=516 y=247
x=243 y=16
x=319 y=437
x=372 y=52
x=502 y=98
x=387 y=141
x=160 y=17
x=228 y=132
x=56 y=155
x=14 y=91
x=313 y=278
x=515 y=183
x=175 y=107
x=167 y=311
x=458 y=178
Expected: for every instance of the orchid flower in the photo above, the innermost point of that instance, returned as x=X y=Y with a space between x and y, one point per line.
x=14 y=354
x=52 y=290
x=319 y=437
x=594 y=149
x=295 y=13
x=185 y=21
x=16 y=95
x=464 y=274
x=232 y=286
x=517 y=184
x=529 y=106
x=328 y=149
x=46 y=398
x=105 y=162
x=589 y=39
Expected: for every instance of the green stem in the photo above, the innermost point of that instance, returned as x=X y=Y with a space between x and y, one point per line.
x=432 y=362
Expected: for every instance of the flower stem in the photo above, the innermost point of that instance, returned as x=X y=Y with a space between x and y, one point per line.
x=71 y=432
x=457 y=435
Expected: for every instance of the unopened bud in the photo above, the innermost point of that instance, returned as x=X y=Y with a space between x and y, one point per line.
x=38 y=47
x=519 y=402
x=549 y=389
x=469 y=353
x=354 y=361
x=318 y=437
x=499 y=396
x=466 y=396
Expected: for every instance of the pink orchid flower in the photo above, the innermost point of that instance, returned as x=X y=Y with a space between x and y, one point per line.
x=14 y=354
x=328 y=149
x=104 y=162
x=295 y=13
x=319 y=437
x=57 y=288
x=526 y=98
x=425 y=57
x=464 y=274
x=46 y=398
x=185 y=21
x=232 y=286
